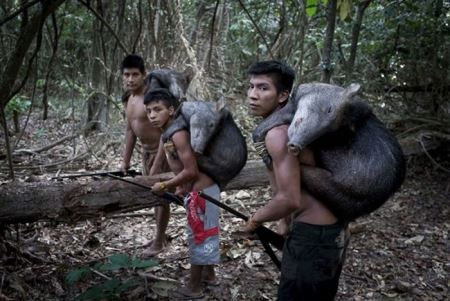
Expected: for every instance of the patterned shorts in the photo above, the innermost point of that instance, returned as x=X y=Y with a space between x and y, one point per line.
x=207 y=252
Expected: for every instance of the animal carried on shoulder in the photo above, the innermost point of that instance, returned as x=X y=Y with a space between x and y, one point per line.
x=214 y=136
x=359 y=162
x=176 y=82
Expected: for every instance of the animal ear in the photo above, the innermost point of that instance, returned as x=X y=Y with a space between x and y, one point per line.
x=178 y=110
x=221 y=108
x=351 y=90
x=175 y=89
x=171 y=111
x=188 y=74
x=221 y=104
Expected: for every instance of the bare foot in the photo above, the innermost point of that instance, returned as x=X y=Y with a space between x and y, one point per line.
x=154 y=249
x=211 y=282
x=209 y=276
x=184 y=293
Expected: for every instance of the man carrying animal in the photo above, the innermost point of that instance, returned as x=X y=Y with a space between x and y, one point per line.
x=314 y=249
x=202 y=216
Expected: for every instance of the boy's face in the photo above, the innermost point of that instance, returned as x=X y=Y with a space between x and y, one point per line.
x=262 y=96
x=158 y=113
x=133 y=79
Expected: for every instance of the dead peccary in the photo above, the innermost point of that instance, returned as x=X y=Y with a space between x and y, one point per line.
x=176 y=82
x=359 y=163
x=214 y=136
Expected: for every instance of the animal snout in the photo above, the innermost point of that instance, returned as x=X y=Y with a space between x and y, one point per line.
x=294 y=149
x=198 y=148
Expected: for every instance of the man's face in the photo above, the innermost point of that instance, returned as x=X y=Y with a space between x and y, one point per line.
x=133 y=79
x=158 y=113
x=262 y=96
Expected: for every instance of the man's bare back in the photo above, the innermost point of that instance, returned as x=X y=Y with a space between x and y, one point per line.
x=318 y=213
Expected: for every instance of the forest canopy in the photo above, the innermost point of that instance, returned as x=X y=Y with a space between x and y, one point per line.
x=70 y=49
x=64 y=55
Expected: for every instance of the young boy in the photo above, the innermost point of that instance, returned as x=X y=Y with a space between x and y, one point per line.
x=203 y=217
x=139 y=127
x=313 y=252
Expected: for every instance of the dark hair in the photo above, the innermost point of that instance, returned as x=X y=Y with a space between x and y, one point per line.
x=133 y=61
x=161 y=94
x=281 y=73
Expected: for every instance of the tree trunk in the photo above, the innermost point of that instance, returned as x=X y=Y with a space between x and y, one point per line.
x=96 y=104
x=70 y=202
x=328 y=43
x=15 y=60
x=16 y=122
x=55 y=42
x=356 y=29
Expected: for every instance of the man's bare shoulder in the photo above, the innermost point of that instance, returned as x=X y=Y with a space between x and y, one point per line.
x=277 y=130
x=135 y=108
x=277 y=139
x=181 y=137
x=135 y=100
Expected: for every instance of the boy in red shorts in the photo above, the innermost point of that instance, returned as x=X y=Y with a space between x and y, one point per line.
x=202 y=216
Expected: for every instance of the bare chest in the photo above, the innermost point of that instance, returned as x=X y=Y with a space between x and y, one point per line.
x=139 y=123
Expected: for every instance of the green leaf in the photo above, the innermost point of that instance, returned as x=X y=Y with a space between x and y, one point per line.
x=119 y=259
x=77 y=275
x=311 y=7
x=345 y=10
x=101 y=291
x=17 y=104
x=116 y=262
x=123 y=287
x=109 y=290
x=138 y=263
x=40 y=83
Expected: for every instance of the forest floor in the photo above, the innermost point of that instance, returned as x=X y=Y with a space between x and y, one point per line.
x=399 y=252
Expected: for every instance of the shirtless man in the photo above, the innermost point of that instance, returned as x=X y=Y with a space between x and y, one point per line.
x=202 y=216
x=314 y=248
x=139 y=127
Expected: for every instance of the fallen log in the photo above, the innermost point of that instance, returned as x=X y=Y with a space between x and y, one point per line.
x=71 y=201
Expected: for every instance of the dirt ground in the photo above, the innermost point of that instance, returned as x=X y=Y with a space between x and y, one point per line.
x=399 y=252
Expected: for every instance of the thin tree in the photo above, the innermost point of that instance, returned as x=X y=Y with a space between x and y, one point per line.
x=328 y=43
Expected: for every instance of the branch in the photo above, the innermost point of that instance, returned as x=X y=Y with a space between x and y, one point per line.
x=139 y=32
x=282 y=23
x=257 y=28
x=18 y=11
x=8 y=147
x=49 y=69
x=124 y=48
x=15 y=60
x=211 y=41
x=33 y=56
x=46 y=147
